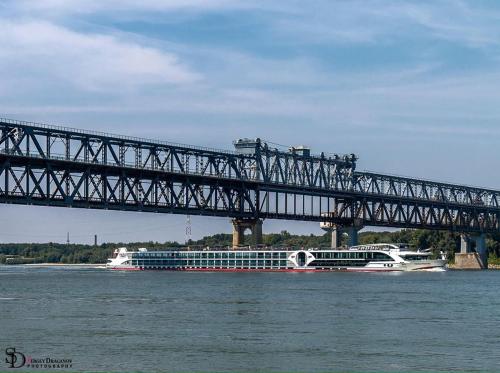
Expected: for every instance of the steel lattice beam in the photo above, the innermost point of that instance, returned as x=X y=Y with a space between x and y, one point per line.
x=54 y=166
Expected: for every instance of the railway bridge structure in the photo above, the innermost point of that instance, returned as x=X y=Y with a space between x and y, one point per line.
x=57 y=166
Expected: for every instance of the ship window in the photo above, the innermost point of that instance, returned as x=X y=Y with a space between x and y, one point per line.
x=414 y=257
x=301 y=259
x=381 y=256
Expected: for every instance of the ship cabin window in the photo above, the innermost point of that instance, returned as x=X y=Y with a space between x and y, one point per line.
x=414 y=257
x=378 y=256
x=301 y=259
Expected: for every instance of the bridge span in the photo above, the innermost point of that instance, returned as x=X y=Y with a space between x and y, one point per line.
x=57 y=166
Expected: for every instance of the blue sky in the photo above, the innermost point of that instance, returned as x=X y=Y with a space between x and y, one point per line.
x=412 y=87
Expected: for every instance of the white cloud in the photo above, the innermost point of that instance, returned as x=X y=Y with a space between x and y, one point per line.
x=382 y=21
x=457 y=21
x=89 y=61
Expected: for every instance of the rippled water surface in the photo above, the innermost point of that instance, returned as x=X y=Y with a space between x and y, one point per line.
x=179 y=321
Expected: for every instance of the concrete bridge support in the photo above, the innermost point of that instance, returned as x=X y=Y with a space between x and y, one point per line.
x=336 y=234
x=336 y=240
x=465 y=246
x=352 y=232
x=239 y=228
x=481 y=250
x=472 y=257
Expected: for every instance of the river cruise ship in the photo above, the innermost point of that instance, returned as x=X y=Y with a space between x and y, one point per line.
x=365 y=258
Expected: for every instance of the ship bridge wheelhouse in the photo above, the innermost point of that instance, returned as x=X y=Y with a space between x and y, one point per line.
x=350 y=258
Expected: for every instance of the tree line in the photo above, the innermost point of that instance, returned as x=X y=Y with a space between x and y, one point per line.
x=435 y=241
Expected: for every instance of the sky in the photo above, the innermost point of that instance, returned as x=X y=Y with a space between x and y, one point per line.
x=411 y=87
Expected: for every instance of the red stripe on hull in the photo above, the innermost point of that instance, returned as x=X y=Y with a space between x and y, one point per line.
x=308 y=270
x=126 y=269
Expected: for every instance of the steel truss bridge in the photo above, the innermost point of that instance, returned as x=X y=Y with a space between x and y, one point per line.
x=54 y=166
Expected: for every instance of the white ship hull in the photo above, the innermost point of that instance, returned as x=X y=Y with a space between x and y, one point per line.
x=273 y=260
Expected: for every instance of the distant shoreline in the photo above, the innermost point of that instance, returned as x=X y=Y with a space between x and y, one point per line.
x=81 y=265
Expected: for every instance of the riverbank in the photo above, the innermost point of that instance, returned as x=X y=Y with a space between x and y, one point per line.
x=490 y=266
x=42 y=265
x=64 y=265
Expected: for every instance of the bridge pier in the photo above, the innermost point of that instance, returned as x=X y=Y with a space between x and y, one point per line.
x=352 y=232
x=336 y=239
x=336 y=232
x=469 y=258
x=465 y=247
x=239 y=228
x=481 y=250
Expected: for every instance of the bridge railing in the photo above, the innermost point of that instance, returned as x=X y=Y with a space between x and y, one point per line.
x=98 y=134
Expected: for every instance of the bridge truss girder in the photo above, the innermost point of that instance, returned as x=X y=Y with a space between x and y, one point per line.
x=53 y=182
x=55 y=166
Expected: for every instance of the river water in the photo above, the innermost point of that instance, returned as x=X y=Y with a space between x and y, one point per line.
x=180 y=321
